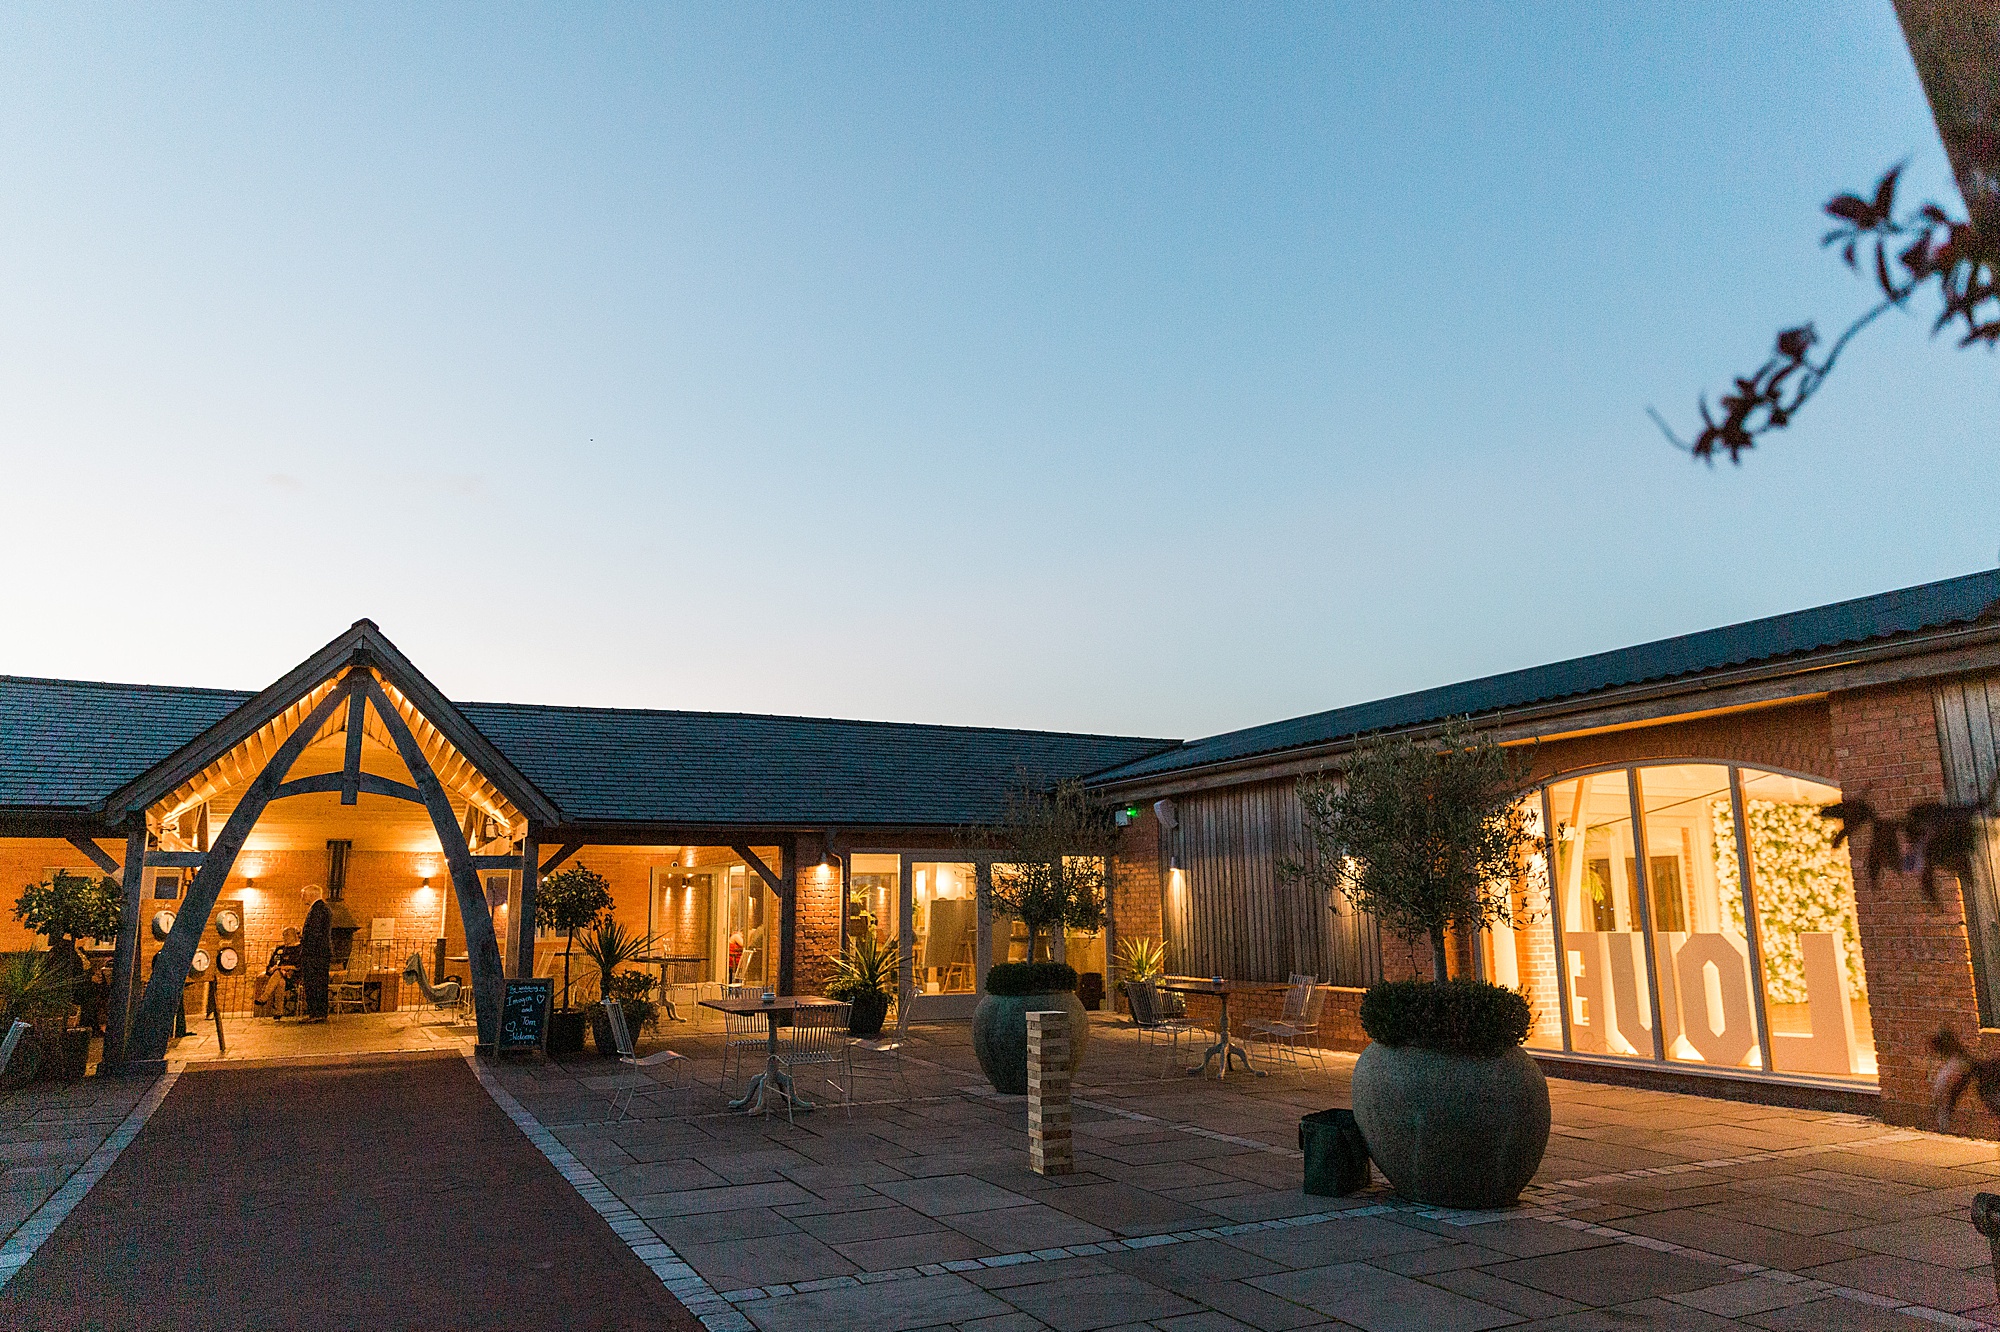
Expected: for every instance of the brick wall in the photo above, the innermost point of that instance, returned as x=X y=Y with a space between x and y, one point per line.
x=1796 y=737
x=1135 y=890
x=1917 y=960
x=817 y=941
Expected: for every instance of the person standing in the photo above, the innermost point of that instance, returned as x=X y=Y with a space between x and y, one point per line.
x=316 y=959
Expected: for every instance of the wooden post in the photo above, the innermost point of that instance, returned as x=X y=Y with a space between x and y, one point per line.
x=523 y=923
x=982 y=957
x=125 y=961
x=1050 y=1151
x=788 y=911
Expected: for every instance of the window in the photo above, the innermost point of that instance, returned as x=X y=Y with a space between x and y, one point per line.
x=1718 y=928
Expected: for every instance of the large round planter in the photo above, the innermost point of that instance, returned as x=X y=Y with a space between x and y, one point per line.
x=865 y=1013
x=1453 y=1130
x=1000 y=1035
x=566 y=1031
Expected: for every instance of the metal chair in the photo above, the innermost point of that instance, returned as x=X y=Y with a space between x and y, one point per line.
x=817 y=1038
x=882 y=1055
x=1154 y=1025
x=1290 y=1015
x=349 y=993
x=679 y=1065
x=443 y=995
x=741 y=1032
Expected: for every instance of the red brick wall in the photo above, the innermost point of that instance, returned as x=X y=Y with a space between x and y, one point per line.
x=1796 y=737
x=817 y=940
x=1136 y=886
x=1917 y=959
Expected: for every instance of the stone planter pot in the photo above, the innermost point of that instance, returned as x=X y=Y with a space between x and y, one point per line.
x=1453 y=1130
x=600 y=1033
x=866 y=1012
x=75 y=1048
x=566 y=1031
x=1000 y=1035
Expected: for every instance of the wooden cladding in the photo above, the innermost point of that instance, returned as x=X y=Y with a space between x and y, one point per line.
x=1227 y=912
x=1968 y=727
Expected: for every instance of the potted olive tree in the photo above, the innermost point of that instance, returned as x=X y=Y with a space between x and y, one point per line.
x=864 y=978
x=610 y=946
x=1054 y=841
x=66 y=909
x=569 y=900
x=1431 y=838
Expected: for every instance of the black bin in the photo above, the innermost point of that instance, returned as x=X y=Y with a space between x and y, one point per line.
x=1336 y=1156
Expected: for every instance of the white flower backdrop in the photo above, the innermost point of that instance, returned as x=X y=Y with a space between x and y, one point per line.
x=1804 y=883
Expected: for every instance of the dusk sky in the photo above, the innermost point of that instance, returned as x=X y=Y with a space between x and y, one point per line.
x=1114 y=368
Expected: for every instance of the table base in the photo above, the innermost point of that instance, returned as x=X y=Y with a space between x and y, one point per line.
x=1230 y=1051
x=770 y=1091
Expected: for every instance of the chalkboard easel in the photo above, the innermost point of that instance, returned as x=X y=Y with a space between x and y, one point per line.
x=524 y=1014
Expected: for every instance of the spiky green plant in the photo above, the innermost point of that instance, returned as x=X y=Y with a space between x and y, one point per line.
x=867 y=967
x=1141 y=959
x=609 y=946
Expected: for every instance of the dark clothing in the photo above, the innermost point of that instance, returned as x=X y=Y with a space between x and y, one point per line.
x=316 y=958
x=284 y=955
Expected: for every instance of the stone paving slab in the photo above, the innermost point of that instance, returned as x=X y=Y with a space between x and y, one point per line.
x=1652 y=1210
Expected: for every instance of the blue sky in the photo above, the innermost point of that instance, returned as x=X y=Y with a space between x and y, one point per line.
x=1116 y=368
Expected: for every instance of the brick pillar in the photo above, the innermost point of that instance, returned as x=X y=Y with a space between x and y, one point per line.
x=817 y=917
x=1049 y=1148
x=1916 y=957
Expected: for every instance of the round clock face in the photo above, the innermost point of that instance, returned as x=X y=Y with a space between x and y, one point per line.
x=163 y=924
x=227 y=959
x=198 y=964
x=228 y=922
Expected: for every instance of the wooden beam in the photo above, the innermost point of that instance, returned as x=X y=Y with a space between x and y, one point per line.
x=125 y=959
x=788 y=912
x=510 y=862
x=153 y=1023
x=350 y=767
x=750 y=858
x=569 y=849
x=481 y=946
x=174 y=860
x=98 y=855
x=524 y=924
x=366 y=783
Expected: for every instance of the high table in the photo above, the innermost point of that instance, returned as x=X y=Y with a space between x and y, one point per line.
x=770 y=1089
x=1223 y=1046
x=663 y=962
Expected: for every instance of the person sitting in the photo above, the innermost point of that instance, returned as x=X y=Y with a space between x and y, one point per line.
x=277 y=978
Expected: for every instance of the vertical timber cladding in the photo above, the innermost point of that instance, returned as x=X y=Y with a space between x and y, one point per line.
x=1968 y=726
x=1230 y=913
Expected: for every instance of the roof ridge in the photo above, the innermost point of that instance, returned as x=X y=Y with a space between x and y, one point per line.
x=122 y=685
x=602 y=709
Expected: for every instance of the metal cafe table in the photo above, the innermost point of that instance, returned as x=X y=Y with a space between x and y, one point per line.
x=1221 y=989
x=665 y=961
x=771 y=1089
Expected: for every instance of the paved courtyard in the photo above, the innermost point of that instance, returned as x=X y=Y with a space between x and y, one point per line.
x=918 y=1211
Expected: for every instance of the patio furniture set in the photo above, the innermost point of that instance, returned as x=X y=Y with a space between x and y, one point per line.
x=1291 y=1033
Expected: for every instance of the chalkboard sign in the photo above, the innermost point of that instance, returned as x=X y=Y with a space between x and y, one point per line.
x=524 y=1013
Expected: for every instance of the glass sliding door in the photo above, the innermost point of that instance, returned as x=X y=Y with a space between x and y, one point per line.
x=944 y=921
x=748 y=930
x=1701 y=951
x=1604 y=945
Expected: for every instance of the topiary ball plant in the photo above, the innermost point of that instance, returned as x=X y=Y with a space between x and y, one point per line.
x=1452 y=1017
x=1016 y=978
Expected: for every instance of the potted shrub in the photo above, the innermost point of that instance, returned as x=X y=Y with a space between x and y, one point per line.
x=1143 y=959
x=1054 y=841
x=864 y=977
x=610 y=946
x=34 y=988
x=1431 y=837
x=568 y=900
x=66 y=909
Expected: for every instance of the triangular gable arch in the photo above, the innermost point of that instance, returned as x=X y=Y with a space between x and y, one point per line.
x=359 y=685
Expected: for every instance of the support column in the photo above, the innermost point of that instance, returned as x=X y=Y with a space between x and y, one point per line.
x=523 y=921
x=125 y=961
x=788 y=910
x=1050 y=1149
x=982 y=955
x=906 y=934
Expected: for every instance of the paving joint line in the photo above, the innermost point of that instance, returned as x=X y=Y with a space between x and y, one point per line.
x=682 y=1282
x=46 y=1219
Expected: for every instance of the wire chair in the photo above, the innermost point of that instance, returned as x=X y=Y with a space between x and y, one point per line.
x=1153 y=1024
x=1290 y=1016
x=817 y=1038
x=679 y=1066
x=881 y=1059
x=741 y=1032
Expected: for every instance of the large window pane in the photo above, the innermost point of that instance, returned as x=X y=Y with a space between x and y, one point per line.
x=748 y=926
x=944 y=913
x=1701 y=952
x=872 y=898
x=1815 y=993
x=1604 y=947
x=1524 y=958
